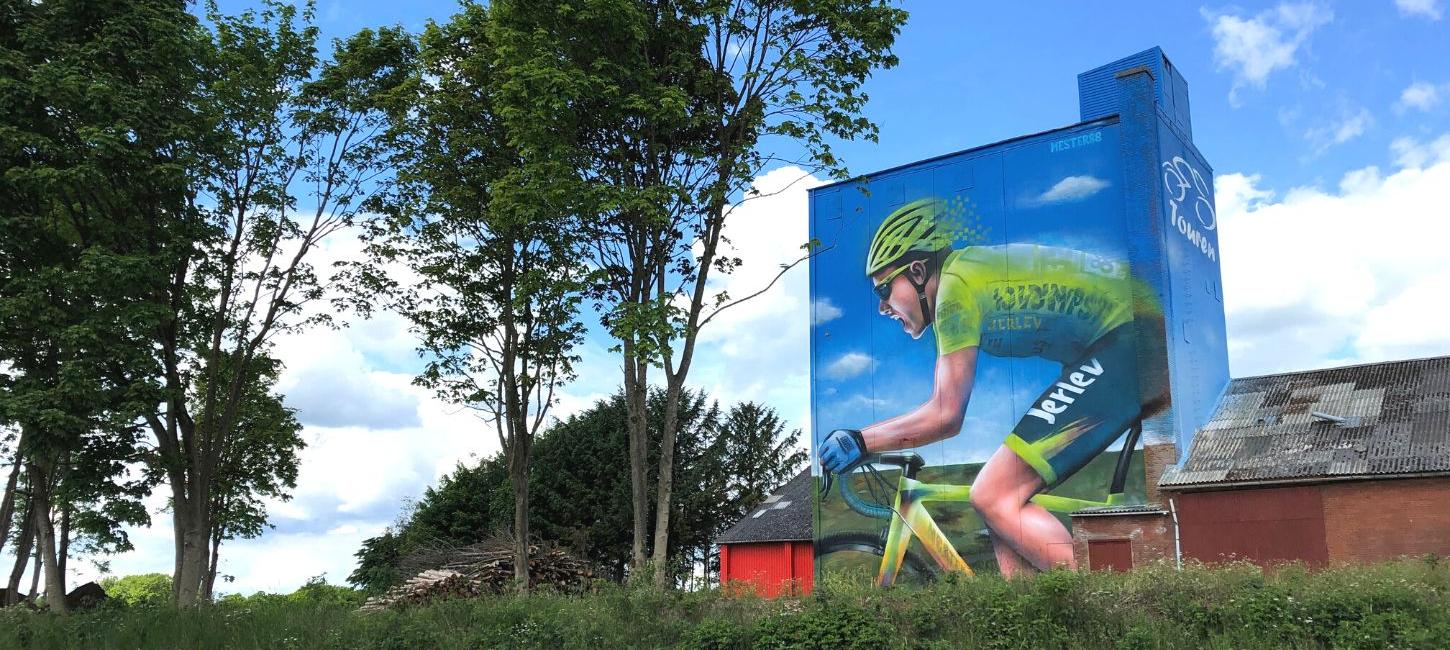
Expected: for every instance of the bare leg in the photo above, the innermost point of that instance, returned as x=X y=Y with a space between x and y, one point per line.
x=1002 y=493
x=1009 y=562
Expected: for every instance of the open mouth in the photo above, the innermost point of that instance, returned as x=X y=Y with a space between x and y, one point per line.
x=897 y=317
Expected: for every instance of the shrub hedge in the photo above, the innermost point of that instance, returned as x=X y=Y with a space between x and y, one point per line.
x=1402 y=604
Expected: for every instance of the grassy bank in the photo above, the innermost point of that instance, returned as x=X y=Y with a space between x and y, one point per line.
x=1398 y=605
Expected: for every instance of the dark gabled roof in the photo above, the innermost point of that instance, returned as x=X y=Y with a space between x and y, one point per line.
x=784 y=516
x=1396 y=423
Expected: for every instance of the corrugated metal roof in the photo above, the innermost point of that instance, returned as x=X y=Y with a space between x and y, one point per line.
x=785 y=515
x=1136 y=509
x=1396 y=420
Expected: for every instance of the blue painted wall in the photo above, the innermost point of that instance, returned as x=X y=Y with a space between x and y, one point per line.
x=1125 y=187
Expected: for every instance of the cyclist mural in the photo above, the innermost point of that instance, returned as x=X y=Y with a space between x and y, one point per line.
x=988 y=371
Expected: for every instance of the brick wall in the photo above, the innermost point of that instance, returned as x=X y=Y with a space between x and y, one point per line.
x=1369 y=521
x=1150 y=534
x=1156 y=459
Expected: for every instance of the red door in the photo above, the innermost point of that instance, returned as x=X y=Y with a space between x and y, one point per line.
x=1110 y=555
x=1266 y=526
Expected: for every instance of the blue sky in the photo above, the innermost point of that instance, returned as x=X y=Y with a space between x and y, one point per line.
x=1327 y=124
x=989 y=71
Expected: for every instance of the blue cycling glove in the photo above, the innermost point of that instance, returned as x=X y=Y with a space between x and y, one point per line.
x=841 y=450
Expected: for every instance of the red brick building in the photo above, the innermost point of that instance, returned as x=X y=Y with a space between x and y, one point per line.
x=1326 y=466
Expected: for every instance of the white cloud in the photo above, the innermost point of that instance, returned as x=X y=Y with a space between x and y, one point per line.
x=1360 y=180
x=330 y=383
x=759 y=350
x=1411 y=153
x=1326 y=277
x=824 y=311
x=1253 y=48
x=1410 y=324
x=860 y=400
x=1350 y=124
x=1234 y=193
x=848 y=365
x=1420 y=95
x=1072 y=188
x=1426 y=8
x=281 y=562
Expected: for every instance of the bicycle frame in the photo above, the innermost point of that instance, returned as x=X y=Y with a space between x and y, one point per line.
x=910 y=518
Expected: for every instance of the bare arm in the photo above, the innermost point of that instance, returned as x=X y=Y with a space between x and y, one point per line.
x=940 y=417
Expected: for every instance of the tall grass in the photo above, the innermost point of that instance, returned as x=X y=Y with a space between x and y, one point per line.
x=1396 y=605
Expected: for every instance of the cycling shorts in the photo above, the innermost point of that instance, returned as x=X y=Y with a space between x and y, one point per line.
x=1094 y=400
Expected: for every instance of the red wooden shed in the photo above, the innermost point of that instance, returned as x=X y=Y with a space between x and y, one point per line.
x=770 y=551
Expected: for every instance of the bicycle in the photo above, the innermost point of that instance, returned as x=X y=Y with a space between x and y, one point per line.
x=910 y=519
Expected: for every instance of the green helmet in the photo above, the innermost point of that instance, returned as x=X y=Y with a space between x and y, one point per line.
x=912 y=228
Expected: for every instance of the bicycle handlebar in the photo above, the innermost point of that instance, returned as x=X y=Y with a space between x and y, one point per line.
x=909 y=462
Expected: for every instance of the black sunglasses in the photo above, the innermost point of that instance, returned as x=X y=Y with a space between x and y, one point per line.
x=883 y=288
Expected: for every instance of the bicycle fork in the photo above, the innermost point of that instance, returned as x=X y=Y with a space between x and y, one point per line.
x=909 y=520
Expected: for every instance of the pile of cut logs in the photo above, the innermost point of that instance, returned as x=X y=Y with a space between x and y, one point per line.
x=479 y=569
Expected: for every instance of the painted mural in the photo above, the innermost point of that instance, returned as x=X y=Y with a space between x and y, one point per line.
x=982 y=357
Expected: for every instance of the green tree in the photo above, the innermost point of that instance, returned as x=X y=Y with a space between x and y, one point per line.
x=760 y=454
x=581 y=489
x=783 y=69
x=615 y=116
x=467 y=506
x=494 y=251
x=582 y=476
x=95 y=99
x=742 y=458
x=261 y=461
x=665 y=109
x=316 y=592
x=377 y=563
x=292 y=154
x=146 y=589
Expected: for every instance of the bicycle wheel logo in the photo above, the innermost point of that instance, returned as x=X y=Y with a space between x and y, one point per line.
x=1180 y=179
x=1187 y=191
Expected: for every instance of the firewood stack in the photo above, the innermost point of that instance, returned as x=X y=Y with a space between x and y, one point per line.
x=479 y=569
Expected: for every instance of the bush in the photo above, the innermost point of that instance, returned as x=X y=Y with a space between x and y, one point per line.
x=1396 y=605
x=316 y=591
x=146 y=590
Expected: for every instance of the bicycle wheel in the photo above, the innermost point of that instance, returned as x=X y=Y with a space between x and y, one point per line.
x=864 y=548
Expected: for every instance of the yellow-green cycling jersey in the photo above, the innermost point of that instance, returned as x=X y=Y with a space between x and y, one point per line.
x=1026 y=300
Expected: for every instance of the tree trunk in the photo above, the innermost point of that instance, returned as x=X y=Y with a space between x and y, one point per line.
x=23 y=551
x=39 y=563
x=191 y=535
x=521 y=443
x=636 y=394
x=45 y=538
x=208 y=589
x=7 y=504
x=64 y=551
x=664 y=488
x=192 y=569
